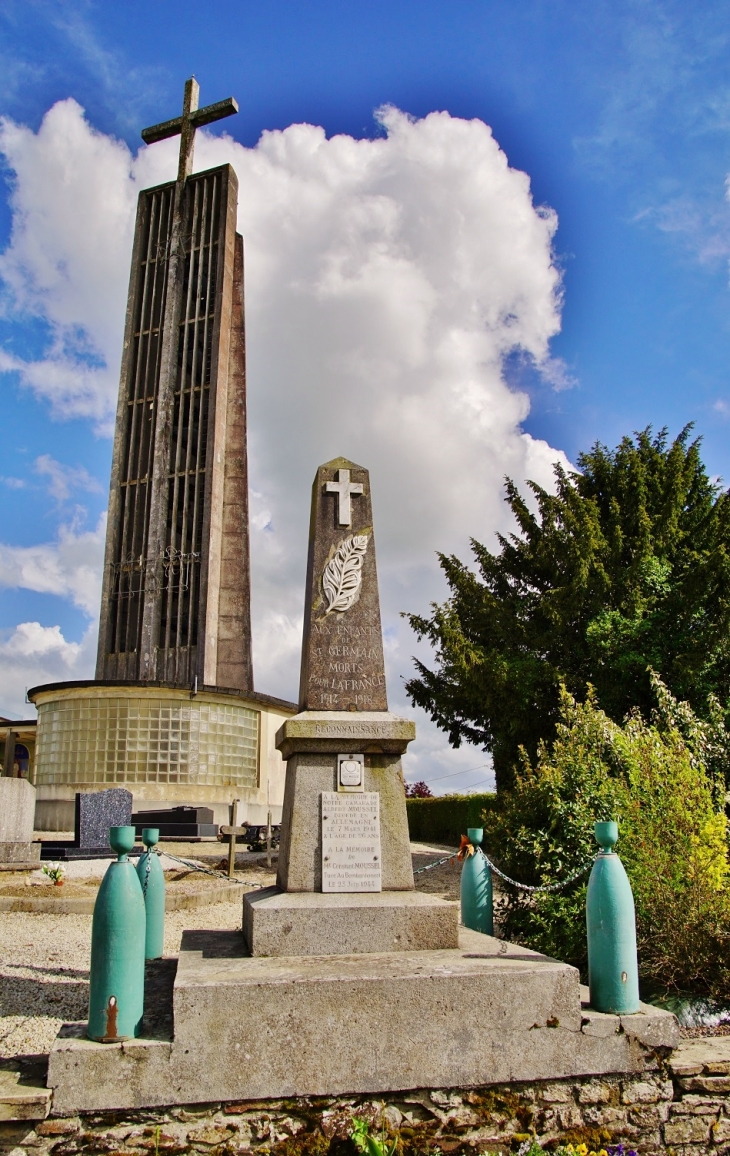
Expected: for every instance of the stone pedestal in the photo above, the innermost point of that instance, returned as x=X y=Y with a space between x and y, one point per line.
x=295 y=918
x=311 y=742
x=277 y=923
x=250 y=1028
x=17 y=815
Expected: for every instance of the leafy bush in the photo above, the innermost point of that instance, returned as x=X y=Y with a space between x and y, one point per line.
x=652 y=778
x=446 y=818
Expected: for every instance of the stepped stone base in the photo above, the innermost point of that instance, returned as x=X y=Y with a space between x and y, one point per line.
x=485 y=1012
x=277 y=923
x=19 y=852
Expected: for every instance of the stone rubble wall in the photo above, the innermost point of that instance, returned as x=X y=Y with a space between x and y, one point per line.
x=680 y=1107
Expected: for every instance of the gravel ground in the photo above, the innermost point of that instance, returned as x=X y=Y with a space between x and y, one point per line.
x=44 y=959
x=44 y=965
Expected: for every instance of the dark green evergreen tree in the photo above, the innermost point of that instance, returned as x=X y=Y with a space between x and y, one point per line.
x=625 y=567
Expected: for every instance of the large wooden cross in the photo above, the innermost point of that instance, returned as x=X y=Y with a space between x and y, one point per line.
x=191 y=119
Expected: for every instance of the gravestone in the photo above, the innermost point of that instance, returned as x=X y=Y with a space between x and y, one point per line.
x=190 y=824
x=96 y=812
x=345 y=880
x=17 y=814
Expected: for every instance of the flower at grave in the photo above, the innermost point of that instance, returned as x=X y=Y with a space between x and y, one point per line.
x=54 y=871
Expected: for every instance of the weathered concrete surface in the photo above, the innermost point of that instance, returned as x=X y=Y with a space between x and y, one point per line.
x=17 y=811
x=59 y=905
x=22 y=1093
x=344 y=731
x=488 y=1012
x=651 y=1026
x=300 y=850
x=86 y=1075
x=279 y=923
x=708 y=1057
x=20 y=853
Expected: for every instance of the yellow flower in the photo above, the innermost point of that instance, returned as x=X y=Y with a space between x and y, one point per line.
x=582 y=1150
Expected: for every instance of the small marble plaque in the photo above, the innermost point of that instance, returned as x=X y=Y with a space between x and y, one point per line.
x=350 y=772
x=351 y=859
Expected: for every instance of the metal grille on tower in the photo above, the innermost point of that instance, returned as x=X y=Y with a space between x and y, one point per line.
x=175 y=603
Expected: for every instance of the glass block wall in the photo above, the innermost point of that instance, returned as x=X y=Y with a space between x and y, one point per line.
x=152 y=740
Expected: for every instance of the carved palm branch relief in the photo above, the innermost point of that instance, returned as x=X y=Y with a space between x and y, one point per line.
x=343 y=574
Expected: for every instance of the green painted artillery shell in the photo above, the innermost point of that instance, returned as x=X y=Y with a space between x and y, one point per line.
x=613 y=972
x=152 y=882
x=477 y=911
x=116 y=989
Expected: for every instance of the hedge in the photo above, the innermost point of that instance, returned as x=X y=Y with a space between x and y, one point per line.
x=446 y=818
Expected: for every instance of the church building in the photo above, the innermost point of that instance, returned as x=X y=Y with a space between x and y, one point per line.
x=172 y=714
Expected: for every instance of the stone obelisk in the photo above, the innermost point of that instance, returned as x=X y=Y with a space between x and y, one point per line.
x=345 y=881
x=176 y=592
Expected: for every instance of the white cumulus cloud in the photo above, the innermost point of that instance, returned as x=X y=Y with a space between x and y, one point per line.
x=386 y=282
x=70 y=567
x=32 y=654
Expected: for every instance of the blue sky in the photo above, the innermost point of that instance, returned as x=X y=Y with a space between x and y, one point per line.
x=619 y=114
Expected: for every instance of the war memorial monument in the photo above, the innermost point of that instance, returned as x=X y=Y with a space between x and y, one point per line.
x=355 y=981
x=342 y=978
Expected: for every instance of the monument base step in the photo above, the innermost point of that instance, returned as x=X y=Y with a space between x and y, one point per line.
x=285 y=923
x=249 y=1028
x=23 y=1095
x=19 y=852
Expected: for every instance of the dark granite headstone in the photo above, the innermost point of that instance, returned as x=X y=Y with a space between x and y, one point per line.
x=96 y=812
x=342 y=650
x=186 y=823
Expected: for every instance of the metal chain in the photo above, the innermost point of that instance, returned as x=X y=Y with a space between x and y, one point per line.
x=148 y=865
x=430 y=866
x=513 y=882
x=207 y=871
x=544 y=886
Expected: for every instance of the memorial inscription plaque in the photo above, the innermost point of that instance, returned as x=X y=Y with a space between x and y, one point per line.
x=342 y=653
x=351 y=858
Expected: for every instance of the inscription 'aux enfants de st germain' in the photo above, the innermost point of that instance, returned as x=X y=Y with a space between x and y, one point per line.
x=342 y=661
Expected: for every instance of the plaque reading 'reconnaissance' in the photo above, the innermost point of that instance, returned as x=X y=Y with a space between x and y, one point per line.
x=351 y=842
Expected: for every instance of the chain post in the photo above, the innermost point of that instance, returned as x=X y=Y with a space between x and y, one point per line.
x=613 y=969
x=116 y=979
x=477 y=908
x=152 y=878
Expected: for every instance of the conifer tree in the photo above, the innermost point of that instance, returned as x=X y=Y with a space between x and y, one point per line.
x=623 y=570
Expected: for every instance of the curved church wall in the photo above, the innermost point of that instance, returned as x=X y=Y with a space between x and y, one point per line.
x=166 y=746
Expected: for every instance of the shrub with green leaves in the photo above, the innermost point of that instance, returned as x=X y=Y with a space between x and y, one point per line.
x=652 y=778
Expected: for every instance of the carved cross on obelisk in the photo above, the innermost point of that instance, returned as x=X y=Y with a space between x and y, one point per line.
x=191 y=119
x=344 y=489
